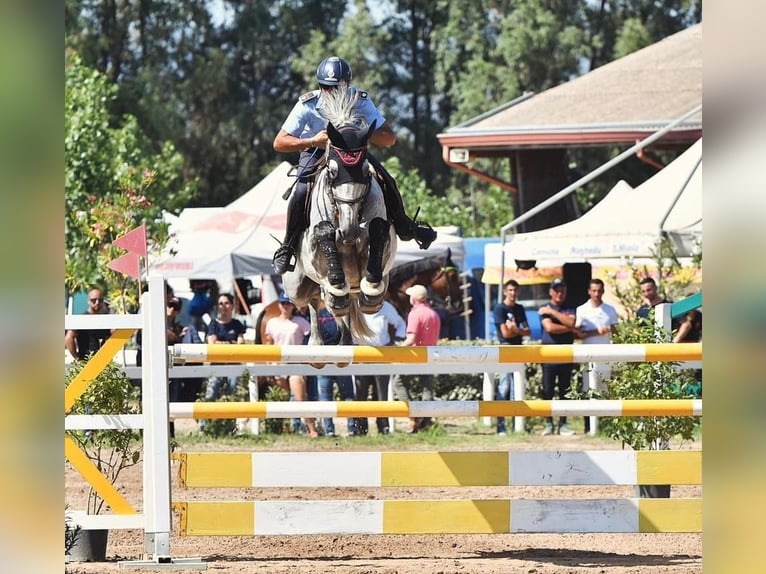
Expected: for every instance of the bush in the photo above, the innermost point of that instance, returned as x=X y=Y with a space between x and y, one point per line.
x=657 y=380
x=216 y=428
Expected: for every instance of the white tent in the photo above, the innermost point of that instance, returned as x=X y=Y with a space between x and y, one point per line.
x=626 y=223
x=236 y=240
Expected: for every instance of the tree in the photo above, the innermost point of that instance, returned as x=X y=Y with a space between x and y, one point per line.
x=114 y=181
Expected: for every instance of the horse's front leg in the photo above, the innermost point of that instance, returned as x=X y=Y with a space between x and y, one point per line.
x=325 y=235
x=372 y=285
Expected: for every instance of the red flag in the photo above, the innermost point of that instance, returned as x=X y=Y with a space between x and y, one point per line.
x=134 y=241
x=127 y=265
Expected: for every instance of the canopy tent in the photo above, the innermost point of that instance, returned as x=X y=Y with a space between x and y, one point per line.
x=238 y=240
x=627 y=223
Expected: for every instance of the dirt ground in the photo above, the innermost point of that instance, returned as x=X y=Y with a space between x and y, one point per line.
x=410 y=554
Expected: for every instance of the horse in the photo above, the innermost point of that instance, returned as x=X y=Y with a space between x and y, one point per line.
x=348 y=250
x=439 y=275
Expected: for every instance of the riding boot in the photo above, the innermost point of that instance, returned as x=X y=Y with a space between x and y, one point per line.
x=378 y=238
x=406 y=228
x=296 y=224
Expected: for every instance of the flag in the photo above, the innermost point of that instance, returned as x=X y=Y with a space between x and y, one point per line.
x=127 y=265
x=133 y=241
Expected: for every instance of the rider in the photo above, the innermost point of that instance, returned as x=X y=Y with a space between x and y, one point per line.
x=304 y=131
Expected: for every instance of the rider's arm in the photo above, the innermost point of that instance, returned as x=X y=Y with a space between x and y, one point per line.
x=286 y=143
x=384 y=136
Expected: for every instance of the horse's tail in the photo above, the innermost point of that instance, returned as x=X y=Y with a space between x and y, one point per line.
x=357 y=323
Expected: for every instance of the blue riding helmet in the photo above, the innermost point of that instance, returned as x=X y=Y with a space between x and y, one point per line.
x=332 y=71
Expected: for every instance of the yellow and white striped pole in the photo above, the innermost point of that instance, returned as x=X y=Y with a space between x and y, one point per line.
x=479 y=354
x=415 y=409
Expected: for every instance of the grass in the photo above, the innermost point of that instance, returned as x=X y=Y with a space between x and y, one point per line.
x=447 y=434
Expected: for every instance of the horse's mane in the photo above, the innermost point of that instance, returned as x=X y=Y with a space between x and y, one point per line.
x=338 y=106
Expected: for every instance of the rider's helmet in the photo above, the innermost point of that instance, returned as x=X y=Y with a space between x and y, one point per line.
x=332 y=71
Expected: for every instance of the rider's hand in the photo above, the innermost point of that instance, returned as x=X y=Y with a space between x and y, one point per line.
x=320 y=140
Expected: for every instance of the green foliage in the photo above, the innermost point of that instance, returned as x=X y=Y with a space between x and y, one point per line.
x=71 y=533
x=479 y=216
x=111 y=451
x=656 y=380
x=220 y=89
x=276 y=426
x=217 y=428
x=114 y=179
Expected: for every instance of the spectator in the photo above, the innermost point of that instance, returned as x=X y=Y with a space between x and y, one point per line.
x=651 y=297
x=387 y=327
x=512 y=325
x=328 y=330
x=423 y=326
x=201 y=304
x=596 y=322
x=175 y=333
x=558 y=323
x=287 y=329
x=690 y=331
x=169 y=295
x=226 y=330
x=85 y=342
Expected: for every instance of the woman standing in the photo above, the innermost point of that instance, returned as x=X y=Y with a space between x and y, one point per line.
x=288 y=329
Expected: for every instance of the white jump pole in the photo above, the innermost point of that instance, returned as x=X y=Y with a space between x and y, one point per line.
x=156 y=416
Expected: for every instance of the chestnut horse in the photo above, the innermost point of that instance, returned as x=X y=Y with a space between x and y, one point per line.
x=439 y=275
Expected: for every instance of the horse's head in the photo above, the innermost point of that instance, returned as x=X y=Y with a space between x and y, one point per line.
x=446 y=286
x=348 y=173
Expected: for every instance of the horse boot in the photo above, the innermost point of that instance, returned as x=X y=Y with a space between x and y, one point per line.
x=337 y=294
x=406 y=228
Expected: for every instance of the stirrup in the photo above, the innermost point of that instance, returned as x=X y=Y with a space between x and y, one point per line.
x=282 y=259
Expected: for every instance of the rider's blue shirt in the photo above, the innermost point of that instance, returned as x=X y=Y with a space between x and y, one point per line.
x=305 y=119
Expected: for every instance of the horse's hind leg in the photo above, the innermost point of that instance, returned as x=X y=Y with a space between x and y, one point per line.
x=372 y=285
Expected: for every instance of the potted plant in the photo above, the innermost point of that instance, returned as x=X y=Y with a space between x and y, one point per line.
x=656 y=380
x=111 y=451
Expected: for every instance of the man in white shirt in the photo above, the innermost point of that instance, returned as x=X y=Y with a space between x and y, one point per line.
x=387 y=327
x=596 y=322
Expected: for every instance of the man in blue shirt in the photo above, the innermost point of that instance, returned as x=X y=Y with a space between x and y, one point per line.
x=305 y=131
x=558 y=323
x=512 y=326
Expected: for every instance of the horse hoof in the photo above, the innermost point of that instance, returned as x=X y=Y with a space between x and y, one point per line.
x=338 y=305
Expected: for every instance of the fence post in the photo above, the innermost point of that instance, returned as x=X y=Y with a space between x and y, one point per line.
x=156 y=432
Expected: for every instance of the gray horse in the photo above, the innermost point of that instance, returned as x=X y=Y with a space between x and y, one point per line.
x=348 y=249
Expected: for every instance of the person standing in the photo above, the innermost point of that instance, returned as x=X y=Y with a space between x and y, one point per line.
x=558 y=323
x=330 y=334
x=651 y=296
x=291 y=329
x=387 y=327
x=225 y=330
x=423 y=325
x=84 y=342
x=512 y=325
x=596 y=322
